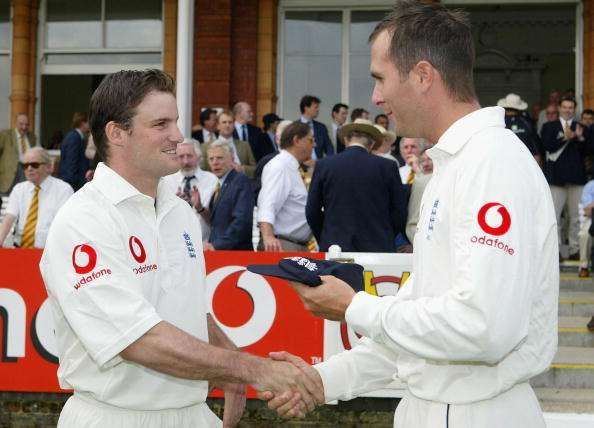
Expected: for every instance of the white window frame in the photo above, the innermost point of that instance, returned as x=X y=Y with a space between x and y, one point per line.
x=347 y=6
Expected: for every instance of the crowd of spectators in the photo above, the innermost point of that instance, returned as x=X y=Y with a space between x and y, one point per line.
x=353 y=183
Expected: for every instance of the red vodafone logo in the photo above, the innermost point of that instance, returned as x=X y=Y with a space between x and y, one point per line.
x=91 y=257
x=137 y=249
x=495 y=230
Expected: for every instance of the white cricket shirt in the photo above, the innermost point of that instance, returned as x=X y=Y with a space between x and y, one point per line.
x=479 y=313
x=114 y=266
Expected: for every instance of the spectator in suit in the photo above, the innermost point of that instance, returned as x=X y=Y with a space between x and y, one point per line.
x=208 y=127
x=266 y=143
x=587 y=118
x=359 y=113
x=243 y=158
x=13 y=145
x=410 y=149
x=519 y=125
x=191 y=183
x=566 y=143
x=383 y=121
x=73 y=162
x=264 y=161
x=416 y=194
x=585 y=240
x=243 y=130
x=231 y=209
x=340 y=113
x=33 y=203
x=282 y=199
x=310 y=108
x=356 y=199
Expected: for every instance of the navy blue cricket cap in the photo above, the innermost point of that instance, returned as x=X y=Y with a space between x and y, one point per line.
x=308 y=271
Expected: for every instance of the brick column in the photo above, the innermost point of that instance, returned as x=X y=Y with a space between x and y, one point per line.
x=267 y=39
x=588 y=53
x=212 y=55
x=20 y=95
x=34 y=10
x=170 y=36
x=244 y=52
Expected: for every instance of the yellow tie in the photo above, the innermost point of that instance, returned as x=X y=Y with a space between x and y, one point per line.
x=217 y=194
x=28 y=240
x=411 y=177
x=23 y=144
x=312 y=245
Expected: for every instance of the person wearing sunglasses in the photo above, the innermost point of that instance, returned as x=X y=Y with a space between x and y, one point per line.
x=33 y=203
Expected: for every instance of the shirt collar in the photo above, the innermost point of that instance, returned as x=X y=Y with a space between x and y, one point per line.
x=79 y=132
x=117 y=189
x=224 y=177
x=462 y=130
x=306 y=120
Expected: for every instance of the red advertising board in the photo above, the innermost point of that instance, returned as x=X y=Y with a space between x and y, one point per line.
x=260 y=314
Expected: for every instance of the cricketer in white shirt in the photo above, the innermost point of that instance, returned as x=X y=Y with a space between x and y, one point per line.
x=113 y=247
x=478 y=317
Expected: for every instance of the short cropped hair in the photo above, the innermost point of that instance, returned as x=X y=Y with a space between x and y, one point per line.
x=338 y=106
x=116 y=100
x=205 y=115
x=78 y=118
x=570 y=99
x=295 y=129
x=430 y=32
x=220 y=144
x=307 y=101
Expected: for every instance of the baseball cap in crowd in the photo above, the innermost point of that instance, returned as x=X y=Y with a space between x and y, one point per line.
x=308 y=271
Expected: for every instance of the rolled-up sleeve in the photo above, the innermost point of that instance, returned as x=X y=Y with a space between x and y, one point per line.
x=104 y=305
x=275 y=191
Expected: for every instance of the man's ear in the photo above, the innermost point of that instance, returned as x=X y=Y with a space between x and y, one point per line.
x=425 y=75
x=115 y=134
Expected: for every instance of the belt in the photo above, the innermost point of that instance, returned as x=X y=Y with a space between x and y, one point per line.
x=294 y=241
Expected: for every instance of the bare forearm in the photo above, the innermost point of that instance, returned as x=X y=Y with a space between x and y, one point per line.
x=266 y=229
x=169 y=350
x=5 y=227
x=217 y=337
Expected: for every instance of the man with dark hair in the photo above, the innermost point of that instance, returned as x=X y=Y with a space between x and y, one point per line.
x=359 y=113
x=208 y=126
x=310 y=108
x=73 y=162
x=383 y=121
x=340 y=113
x=14 y=143
x=125 y=274
x=266 y=143
x=587 y=118
x=478 y=317
x=282 y=198
x=356 y=199
x=566 y=143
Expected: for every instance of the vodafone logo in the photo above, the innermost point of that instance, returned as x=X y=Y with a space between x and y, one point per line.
x=84 y=259
x=246 y=287
x=488 y=226
x=137 y=249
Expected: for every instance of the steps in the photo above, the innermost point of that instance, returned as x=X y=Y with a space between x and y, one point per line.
x=568 y=386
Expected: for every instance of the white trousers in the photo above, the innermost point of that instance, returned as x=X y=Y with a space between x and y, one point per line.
x=516 y=408
x=570 y=195
x=585 y=241
x=84 y=412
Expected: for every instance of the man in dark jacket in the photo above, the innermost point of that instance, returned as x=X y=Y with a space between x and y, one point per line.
x=566 y=145
x=231 y=209
x=73 y=162
x=310 y=108
x=356 y=199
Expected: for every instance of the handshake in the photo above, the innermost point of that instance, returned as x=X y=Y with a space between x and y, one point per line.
x=289 y=385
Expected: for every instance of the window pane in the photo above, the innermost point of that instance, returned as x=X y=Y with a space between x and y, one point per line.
x=133 y=23
x=360 y=82
x=4 y=24
x=4 y=91
x=312 y=60
x=73 y=24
